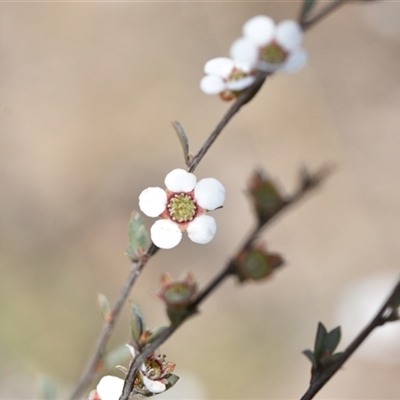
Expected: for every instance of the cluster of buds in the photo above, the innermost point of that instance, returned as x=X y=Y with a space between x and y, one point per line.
x=265 y=47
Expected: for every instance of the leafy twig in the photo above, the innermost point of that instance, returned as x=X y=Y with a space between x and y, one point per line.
x=95 y=361
x=384 y=315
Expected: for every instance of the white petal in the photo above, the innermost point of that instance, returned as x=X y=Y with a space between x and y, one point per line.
x=153 y=201
x=220 y=66
x=241 y=83
x=212 y=84
x=260 y=29
x=244 y=51
x=289 y=35
x=165 y=234
x=202 y=229
x=110 y=387
x=180 y=180
x=209 y=193
x=153 y=386
x=295 y=61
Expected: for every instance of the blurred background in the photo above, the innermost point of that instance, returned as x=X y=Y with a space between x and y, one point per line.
x=88 y=92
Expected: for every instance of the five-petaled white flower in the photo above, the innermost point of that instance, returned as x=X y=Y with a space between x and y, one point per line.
x=182 y=207
x=270 y=47
x=226 y=77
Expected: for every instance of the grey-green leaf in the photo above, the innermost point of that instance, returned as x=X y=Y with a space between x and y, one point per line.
x=308 y=5
x=137 y=322
x=319 y=340
x=332 y=340
x=117 y=356
x=310 y=355
x=104 y=305
x=48 y=389
x=138 y=237
x=183 y=139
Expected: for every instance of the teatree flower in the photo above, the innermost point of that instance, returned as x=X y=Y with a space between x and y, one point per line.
x=226 y=77
x=109 y=388
x=270 y=47
x=182 y=207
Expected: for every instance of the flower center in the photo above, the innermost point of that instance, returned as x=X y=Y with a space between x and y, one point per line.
x=182 y=207
x=237 y=75
x=273 y=54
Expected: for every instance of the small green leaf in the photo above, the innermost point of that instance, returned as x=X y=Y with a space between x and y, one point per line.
x=155 y=333
x=310 y=355
x=332 y=340
x=137 y=322
x=319 y=340
x=138 y=237
x=47 y=388
x=117 y=356
x=308 y=5
x=183 y=139
x=104 y=306
x=172 y=379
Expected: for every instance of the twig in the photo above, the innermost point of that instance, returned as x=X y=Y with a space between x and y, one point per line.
x=94 y=363
x=380 y=319
x=243 y=99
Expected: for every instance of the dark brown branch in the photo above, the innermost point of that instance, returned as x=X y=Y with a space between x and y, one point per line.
x=379 y=320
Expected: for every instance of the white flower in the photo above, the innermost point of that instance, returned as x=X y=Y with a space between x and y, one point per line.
x=225 y=76
x=110 y=387
x=271 y=47
x=182 y=207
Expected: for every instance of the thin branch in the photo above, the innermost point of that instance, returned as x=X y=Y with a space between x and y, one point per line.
x=243 y=99
x=94 y=363
x=379 y=320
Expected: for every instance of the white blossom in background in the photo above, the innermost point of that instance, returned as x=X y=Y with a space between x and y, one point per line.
x=270 y=47
x=182 y=207
x=109 y=388
x=357 y=304
x=226 y=77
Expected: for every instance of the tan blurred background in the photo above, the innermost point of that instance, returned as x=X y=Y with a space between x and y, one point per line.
x=88 y=91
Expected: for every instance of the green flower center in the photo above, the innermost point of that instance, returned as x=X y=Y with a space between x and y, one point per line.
x=273 y=54
x=237 y=75
x=182 y=207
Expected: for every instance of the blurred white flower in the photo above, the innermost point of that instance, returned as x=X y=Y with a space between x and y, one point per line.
x=110 y=387
x=182 y=207
x=270 y=47
x=226 y=77
x=357 y=305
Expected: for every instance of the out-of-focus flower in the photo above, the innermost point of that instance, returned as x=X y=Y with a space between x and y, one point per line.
x=256 y=263
x=270 y=47
x=226 y=77
x=155 y=374
x=177 y=293
x=182 y=207
x=109 y=388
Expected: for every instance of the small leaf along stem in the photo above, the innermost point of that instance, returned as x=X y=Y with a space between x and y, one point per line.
x=380 y=319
